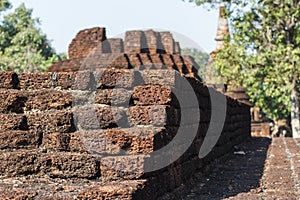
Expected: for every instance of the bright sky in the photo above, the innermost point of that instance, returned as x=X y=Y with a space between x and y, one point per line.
x=62 y=19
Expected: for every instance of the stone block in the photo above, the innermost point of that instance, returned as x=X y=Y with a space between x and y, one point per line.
x=89 y=117
x=68 y=165
x=19 y=139
x=13 y=122
x=51 y=121
x=48 y=99
x=152 y=95
x=9 y=80
x=125 y=167
x=12 y=101
x=56 y=141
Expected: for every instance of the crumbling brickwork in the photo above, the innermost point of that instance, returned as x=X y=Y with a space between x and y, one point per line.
x=90 y=49
x=49 y=129
x=86 y=41
x=93 y=133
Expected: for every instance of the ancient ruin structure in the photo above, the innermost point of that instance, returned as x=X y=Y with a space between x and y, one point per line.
x=93 y=133
x=222 y=32
x=91 y=49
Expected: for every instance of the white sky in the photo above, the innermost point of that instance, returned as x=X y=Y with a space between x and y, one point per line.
x=62 y=19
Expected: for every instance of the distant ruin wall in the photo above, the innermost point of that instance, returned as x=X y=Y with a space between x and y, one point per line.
x=90 y=49
x=86 y=41
x=47 y=128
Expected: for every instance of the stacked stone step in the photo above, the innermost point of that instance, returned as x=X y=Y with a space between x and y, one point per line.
x=94 y=134
x=147 y=49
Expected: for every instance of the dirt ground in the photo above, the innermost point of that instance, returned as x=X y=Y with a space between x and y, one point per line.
x=260 y=168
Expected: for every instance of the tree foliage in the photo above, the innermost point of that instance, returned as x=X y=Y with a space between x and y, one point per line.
x=201 y=58
x=210 y=3
x=263 y=51
x=4 y=4
x=23 y=46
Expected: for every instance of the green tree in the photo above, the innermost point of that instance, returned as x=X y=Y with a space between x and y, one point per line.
x=23 y=46
x=201 y=58
x=4 y=4
x=263 y=54
x=212 y=3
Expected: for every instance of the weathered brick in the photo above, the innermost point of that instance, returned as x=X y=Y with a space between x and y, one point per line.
x=9 y=80
x=12 y=101
x=48 y=99
x=156 y=115
x=86 y=41
x=120 y=62
x=35 y=80
x=16 y=193
x=133 y=189
x=145 y=60
x=13 y=122
x=68 y=165
x=116 y=45
x=134 y=60
x=152 y=95
x=100 y=117
x=84 y=80
x=119 y=141
x=109 y=78
x=51 y=121
x=159 y=77
x=56 y=165
x=117 y=96
x=167 y=60
x=19 y=139
x=168 y=42
x=92 y=142
x=126 y=167
x=157 y=61
x=56 y=141
x=18 y=163
x=138 y=140
x=133 y=42
x=152 y=41
x=64 y=80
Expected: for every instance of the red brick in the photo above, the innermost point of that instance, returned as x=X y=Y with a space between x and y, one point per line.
x=48 y=99
x=35 y=80
x=126 y=167
x=56 y=141
x=156 y=115
x=68 y=165
x=99 y=117
x=133 y=189
x=92 y=142
x=18 y=163
x=86 y=41
x=138 y=140
x=51 y=121
x=109 y=78
x=113 y=97
x=12 y=101
x=152 y=95
x=13 y=122
x=19 y=139
x=9 y=80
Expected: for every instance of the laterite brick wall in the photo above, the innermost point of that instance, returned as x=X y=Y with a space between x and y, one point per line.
x=90 y=134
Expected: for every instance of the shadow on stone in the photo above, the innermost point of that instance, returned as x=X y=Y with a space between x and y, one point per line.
x=229 y=176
